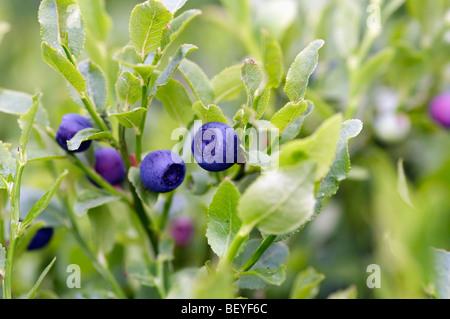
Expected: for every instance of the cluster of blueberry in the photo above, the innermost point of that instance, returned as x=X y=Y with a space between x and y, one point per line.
x=161 y=171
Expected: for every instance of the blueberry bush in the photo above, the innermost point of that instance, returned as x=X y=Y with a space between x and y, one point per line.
x=216 y=149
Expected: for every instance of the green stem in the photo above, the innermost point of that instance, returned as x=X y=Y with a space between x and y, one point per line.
x=99 y=180
x=15 y=222
x=93 y=113
x=139 y=136
x=166 y=210
x=7 y=281
x=241 y=237
x=259 y=252
x=137 y=204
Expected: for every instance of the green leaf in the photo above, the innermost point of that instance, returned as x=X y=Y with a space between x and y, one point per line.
x=103 y=229
x=147 y=24
x=35 y=288
x=172 y=66
x=26 y=122
x=62 y=25
x=178 y=25
x=227 y=84
x=298 y=75
x=281 y=201
x=252 y=77
x=292 y=130
x=349 y=293
x=43 y=155
x=269 y=269
x=441 y=271
x=273 y=59
x=13 y=102
x=198 y=81
x=374 y=67
x=128 y=89
x=306 y=284
x=341 y=165
x=128 y=57
x=2 y=261
x=402 y=183
x=59 y=62
x=289 y=113
x=166 y=247
x=176 y=102
x=145 y=275
x=91 y=198
x=210 y=113
x=84 y=135
x=223 y=220
x=271 y=276
x=98 y=21
x=174 y=5
x=42 y=203
x=262 y=102
x=7 y=166
x=319 y=147
x=147 y=196
x=130 y=119
x=96 y=85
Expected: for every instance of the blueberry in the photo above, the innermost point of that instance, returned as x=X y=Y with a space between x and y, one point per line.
x=41 y=238
x=72 y=123
x=216 y=147
x=109 y=165
x=181 y=230
x=440 y=109
x=162 y=171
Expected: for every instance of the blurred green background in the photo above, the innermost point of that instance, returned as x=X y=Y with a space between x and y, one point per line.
x=404 y=65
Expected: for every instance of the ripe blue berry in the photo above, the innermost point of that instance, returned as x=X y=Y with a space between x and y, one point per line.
x=72 y=123
x=440 y=109
x=182 y=230
x=215 y=147
x=109 y=165
x=162 y=171
x=41 y=238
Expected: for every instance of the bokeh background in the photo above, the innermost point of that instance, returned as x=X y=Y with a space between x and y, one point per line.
x=388 y=69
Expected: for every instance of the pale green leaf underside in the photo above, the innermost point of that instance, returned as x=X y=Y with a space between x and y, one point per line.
x=128 y=88
x=91 y=198
x=62 y=24
x=130 y=119
x=176 y=101
x=198 y=81
x=288 y=114
x=59 y=62
x=319 y=147
x=84 y=135
x=287 y=202
x=210 y=113
x=147 y=196
x=227 y=84
x=306 y=285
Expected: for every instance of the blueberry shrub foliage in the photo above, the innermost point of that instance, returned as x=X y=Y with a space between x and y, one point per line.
x=135 y=213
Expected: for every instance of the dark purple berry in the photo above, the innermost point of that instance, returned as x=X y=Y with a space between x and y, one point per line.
x=440 y=109
x=72 y=123
x=216 y=147
x=182 y=230
x=162 y=171
x=109 y=165
x=41 y=238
